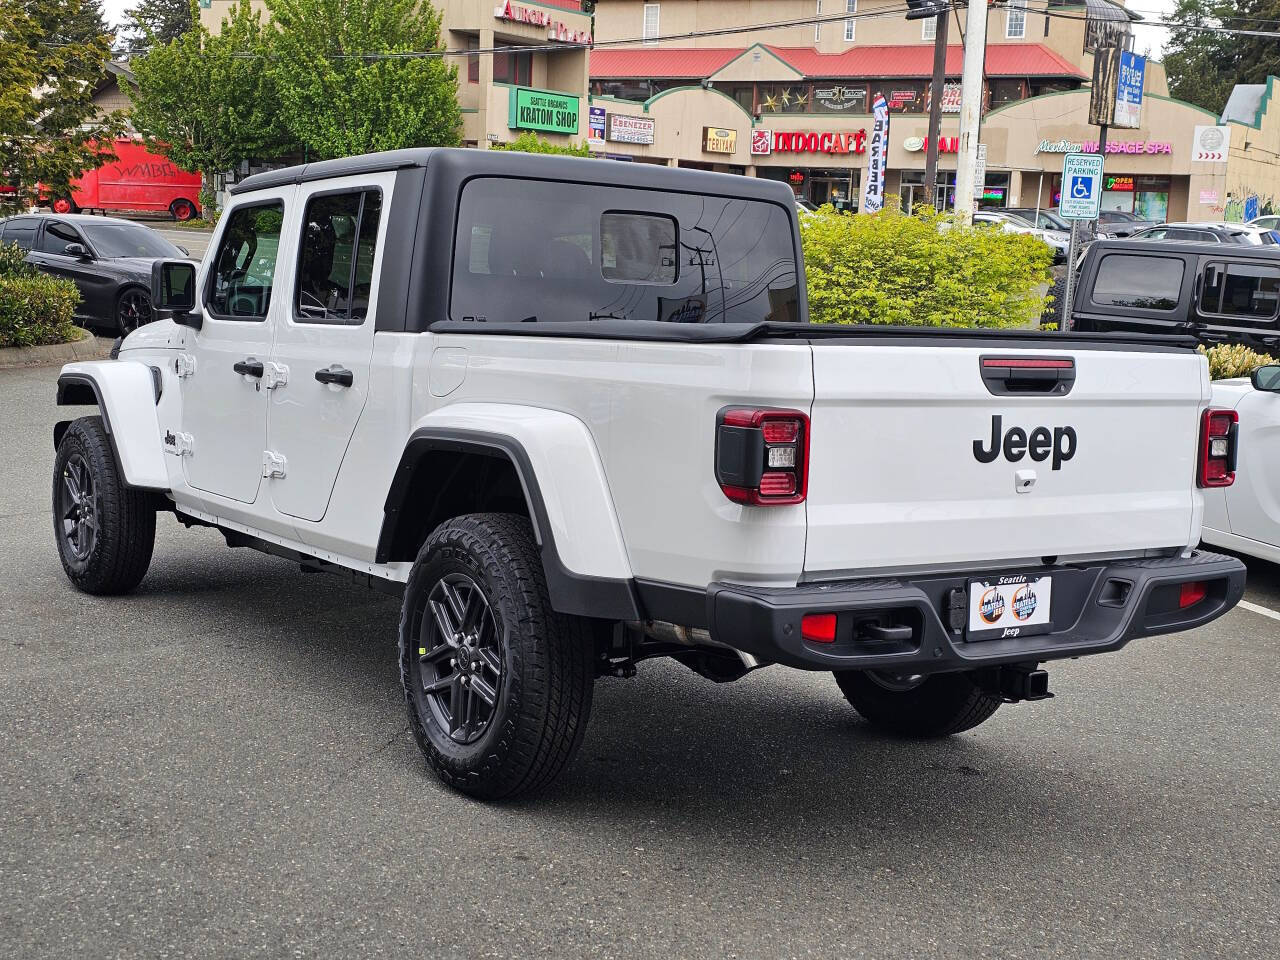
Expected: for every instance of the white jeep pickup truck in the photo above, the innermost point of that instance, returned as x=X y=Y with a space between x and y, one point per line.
x=574 y=413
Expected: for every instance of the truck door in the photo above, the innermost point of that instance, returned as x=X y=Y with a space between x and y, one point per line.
x=227 y=379
x=325 y=339
x=1253 y=502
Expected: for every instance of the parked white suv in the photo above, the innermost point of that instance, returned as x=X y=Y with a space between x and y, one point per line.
x=573 y=410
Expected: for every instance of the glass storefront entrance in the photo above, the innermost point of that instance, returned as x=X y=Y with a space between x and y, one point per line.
x=839 y=187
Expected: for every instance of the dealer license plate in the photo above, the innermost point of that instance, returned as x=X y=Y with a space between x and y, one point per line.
x=1011 y=606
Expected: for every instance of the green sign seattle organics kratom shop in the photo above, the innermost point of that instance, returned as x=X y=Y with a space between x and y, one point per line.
x=543 y=110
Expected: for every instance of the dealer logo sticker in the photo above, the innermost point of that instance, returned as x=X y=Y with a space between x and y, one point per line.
x=1024 y=602
x=991 y=608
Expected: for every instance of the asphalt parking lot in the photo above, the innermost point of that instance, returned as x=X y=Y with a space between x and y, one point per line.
x=219 y=766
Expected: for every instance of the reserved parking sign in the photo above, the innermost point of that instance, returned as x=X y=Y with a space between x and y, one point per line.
x=1081 y=186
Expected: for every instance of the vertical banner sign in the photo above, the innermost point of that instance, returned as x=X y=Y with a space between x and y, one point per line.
x=878 y=157
x=595 y=128
x=1129 y=81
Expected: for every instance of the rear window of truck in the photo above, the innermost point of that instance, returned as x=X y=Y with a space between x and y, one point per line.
x=528 y=251
x=1138 y=282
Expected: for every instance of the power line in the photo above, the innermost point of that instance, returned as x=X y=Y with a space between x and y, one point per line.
x=604 y=44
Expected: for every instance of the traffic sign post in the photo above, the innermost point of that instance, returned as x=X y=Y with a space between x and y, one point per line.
x=1080 y=200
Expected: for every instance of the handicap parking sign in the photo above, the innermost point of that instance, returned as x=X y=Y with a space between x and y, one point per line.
x=1082 y=175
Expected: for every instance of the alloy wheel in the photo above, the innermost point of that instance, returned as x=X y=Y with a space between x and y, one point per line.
x=459 y=658
x=77 y=507
x=133 y=311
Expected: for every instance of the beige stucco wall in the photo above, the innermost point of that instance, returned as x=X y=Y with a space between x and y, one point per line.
x=624 y=20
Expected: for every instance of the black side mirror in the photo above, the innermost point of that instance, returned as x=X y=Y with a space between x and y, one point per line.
x=1266 y=378
x=173 y=290
x=76 y=250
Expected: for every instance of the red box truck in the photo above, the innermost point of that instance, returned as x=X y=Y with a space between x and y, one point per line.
x=137 y=180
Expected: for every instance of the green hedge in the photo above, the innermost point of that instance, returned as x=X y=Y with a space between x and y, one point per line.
x=1228 y=361
x=34 y=308
x=921 y=270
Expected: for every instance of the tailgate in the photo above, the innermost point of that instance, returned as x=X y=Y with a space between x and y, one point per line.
x=918 y=459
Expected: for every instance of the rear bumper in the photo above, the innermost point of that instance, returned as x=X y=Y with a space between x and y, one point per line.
x=1096 y=609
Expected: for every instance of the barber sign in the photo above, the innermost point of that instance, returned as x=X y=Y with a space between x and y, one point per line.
x=878 y=157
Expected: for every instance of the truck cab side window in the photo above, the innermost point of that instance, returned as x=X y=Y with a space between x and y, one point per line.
x=1139 y=282
x=245 y=266
x=21 y=231
x=1246 y=291
x=335 y=268
x=57 y=237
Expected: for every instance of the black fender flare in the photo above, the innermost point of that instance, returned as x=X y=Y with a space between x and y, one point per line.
x=571 y=593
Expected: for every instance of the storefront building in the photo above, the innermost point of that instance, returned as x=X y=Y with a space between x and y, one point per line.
x=508 y=92
x=800 y=114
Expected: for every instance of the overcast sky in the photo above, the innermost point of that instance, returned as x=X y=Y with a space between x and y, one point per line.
x=1152 y=38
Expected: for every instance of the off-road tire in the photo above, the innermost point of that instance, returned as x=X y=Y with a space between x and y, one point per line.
x=548 y=669
x=125 y=517
x=940 y=705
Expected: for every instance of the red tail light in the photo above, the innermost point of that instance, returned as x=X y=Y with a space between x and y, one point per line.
x=762 y=455
x=1189 y=594
x=1217 y=460
x=818 y=627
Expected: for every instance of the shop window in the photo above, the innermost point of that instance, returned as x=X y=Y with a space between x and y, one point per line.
x=1005 y=91
x=512 y=67
x=1142 y=283
x=1015 y=20
x=746 y=97
x=850 y=6
x=785 y=98
x=817 y=27
x=637 y=90
x=906 y=96
x=1244 y=290
x=650 y=32
x=473 y=62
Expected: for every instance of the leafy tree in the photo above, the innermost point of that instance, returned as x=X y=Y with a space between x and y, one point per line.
x=530 y=142
x=52 y=55
x=209 y=101
x=1203 y=65
x=154 y=22
x=337 y=102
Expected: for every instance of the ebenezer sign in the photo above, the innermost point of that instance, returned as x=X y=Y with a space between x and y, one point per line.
x=543 y=110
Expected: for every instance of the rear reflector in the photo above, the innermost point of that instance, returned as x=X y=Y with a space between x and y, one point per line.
x=818 y=627
x=1216 y=463
x=1189 y=594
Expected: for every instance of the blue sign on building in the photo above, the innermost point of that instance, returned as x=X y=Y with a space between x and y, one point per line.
x=1133 y=70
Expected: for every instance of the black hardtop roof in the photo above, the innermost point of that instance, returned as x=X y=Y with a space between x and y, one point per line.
x=473 y=162
x=1239 y=251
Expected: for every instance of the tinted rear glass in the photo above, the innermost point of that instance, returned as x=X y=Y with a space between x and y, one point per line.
x=1247 y=291
x=536 y=251
x=1146 y=283
x=21 y=231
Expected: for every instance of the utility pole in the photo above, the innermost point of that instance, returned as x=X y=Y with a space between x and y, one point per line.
x=935 y=107
x=975 y=49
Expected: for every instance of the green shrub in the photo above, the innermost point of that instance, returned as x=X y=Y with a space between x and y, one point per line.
x=12 y=262
x=925 y=269
x=529 y=142
x=34 y=308
x=1230 y=360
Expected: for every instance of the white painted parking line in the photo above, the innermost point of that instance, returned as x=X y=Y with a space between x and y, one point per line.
x=1258 y=608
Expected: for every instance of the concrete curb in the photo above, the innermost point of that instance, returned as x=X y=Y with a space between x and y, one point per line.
x=88 y=347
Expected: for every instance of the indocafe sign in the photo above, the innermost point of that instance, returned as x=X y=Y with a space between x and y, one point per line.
x=765 y=142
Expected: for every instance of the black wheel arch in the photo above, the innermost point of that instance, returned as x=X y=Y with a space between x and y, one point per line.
x=444 y=472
